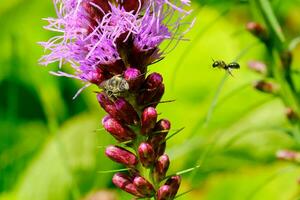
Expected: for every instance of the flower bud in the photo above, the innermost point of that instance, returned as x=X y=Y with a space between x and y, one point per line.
x=107 y=104
x=174 y=183
x=291 y=115
x=149 y=117
x=146 y=154
x=143 y=186
x=124 y=182
x=164 y=193
x=161 y=167
x=121 y=155
x=257 y=30
x=94 y=76
x=169 y=190
x=126 y=112
x=153 y=89
x=158 y=95
x=134 y=78
x=288 y=155
x=162 y=127
x=120 y=109
x=119 y=131
x=266 y=87
x=258 y=67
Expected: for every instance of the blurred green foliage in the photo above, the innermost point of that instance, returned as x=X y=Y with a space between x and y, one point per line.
x=51 y=145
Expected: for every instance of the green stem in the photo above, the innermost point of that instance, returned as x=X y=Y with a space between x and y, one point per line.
x=281 y=70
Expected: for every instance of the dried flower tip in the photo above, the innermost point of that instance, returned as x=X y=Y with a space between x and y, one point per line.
x=124 y=182
x=257 y=30
x=288 y=155
x=121 y=155
x=257 y=66
x=291 y=115
x=143 y=186
x=165 y=193
x=266 y=87
x=161 y=167
x=134 y=78
x=119 y=131
x=149 y=117
x=146 y=154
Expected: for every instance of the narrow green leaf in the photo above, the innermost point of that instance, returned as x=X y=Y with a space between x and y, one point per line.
x=113 y=171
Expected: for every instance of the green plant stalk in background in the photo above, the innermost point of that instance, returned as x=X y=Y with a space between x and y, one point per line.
x=280 y=59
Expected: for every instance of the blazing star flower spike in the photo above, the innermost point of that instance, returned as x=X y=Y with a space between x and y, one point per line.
x=110 y=44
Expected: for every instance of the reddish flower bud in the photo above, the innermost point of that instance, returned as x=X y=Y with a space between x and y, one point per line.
x=169 y=190
x=134 y=78
x=174 y=183
x=120 y=109
x=143 y=186
x=161 y=167
x=164 y=193
x=124 y=182
x=152 y=91
x=126 y=112
x=257 y=30
x=258 y=67
x=107 y=104
x=146 y=154
x=94 y=76
x=266 y=87
x=119 y=131
x=121 y=155
x=158 y=95
x=149 y=117
x=162 y=127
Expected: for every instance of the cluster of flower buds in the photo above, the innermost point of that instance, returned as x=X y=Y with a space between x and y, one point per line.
x=111 y=43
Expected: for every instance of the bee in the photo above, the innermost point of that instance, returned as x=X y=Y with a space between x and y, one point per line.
x=228 y=67
x=115 y=86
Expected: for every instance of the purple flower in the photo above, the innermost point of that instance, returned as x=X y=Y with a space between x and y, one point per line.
x=92 y=31
x=112 y=42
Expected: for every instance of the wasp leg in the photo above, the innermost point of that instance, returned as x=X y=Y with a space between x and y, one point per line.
x=229 y=72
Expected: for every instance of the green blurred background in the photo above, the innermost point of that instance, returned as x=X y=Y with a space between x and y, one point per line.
x=51 y=147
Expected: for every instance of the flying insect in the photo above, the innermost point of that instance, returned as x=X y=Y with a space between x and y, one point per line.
x=115 y=86
x=228 y=67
